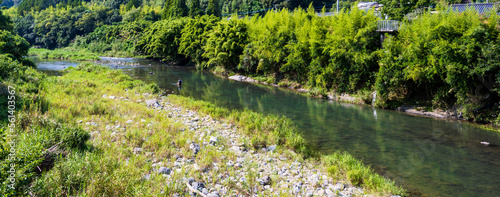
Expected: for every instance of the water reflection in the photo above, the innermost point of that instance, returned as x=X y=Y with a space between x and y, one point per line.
x=428 y=156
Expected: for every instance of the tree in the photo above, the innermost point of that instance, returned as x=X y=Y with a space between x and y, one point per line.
x=13 y=45
x=213 y=8
x=397 y=9
x=226 y=43
x=114 y=4
x=37 y=5
x=161 y=39
x=175 y=9
x=180 y=8
x=195 y=9
x=133 y=3
x=5 y=23
x=194 y=36
x=25 y=27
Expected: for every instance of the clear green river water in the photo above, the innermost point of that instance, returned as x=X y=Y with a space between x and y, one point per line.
x=429 y=157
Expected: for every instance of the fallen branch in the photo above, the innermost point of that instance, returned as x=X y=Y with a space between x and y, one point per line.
x=53 y=147
x=194 y=190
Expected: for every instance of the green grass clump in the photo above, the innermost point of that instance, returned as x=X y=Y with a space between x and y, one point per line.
x=64 y=53
x=344 y=166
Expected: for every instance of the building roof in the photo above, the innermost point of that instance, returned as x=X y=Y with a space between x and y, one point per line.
x=369 y=5
x=481 y=8
x=326 y=14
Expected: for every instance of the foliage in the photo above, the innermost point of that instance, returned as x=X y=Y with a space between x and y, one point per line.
x=25 y=26
x=114 y=4
x=32 y=133
x=352 y=58
x=161 y=39
x=113 y=40
x=5 y=22
x=133 y=4
x=27 y=5
x=57 y=27
x=64 y=53
x=195 y=9
x=175 y=9
x=194 y=36
x=328 y=52
x=14 y=45
x=142 y=13
x=447 y=58
x=213 y=8
x=397 y=9
x=226 y=43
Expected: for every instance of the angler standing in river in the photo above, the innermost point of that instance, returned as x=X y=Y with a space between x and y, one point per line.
x=179 y=84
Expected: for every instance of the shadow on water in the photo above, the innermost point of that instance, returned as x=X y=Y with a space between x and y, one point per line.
x=430 y=157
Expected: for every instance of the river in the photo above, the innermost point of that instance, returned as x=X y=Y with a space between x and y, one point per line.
x=427 y=156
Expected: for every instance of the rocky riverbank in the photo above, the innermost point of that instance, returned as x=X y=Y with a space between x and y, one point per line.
x=240 y=170
x=144 y=144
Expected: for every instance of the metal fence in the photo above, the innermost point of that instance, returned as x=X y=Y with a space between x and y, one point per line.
x=387 y=25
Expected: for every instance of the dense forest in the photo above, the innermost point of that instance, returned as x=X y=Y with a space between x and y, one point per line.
x=439 y=60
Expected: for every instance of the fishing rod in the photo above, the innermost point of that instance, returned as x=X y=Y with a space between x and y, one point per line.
x=169 y=68
x=178 y=83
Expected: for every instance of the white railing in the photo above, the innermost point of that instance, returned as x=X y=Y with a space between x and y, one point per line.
x=387 y=25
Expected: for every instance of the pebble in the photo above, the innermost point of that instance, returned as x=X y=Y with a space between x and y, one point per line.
x=328 y=192
x=235 y=149
x=271 y=148
x=213 y=194
x=198 y=185
x=137 y=150
x=338 y=187
x=152 y=102
x=296 y=190
x=213 y=140
x=266 y=180
x=238 y=165
x=194 y=147
x=190 y=180
x=321 y=192
x=164 y=170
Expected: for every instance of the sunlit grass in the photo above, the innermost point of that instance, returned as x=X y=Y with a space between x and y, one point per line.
x=64 y=53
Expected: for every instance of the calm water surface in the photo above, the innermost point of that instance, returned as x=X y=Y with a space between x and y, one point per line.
x=429 y=157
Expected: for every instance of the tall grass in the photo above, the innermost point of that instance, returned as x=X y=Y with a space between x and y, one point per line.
x=344 y=166
x=64 y=53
